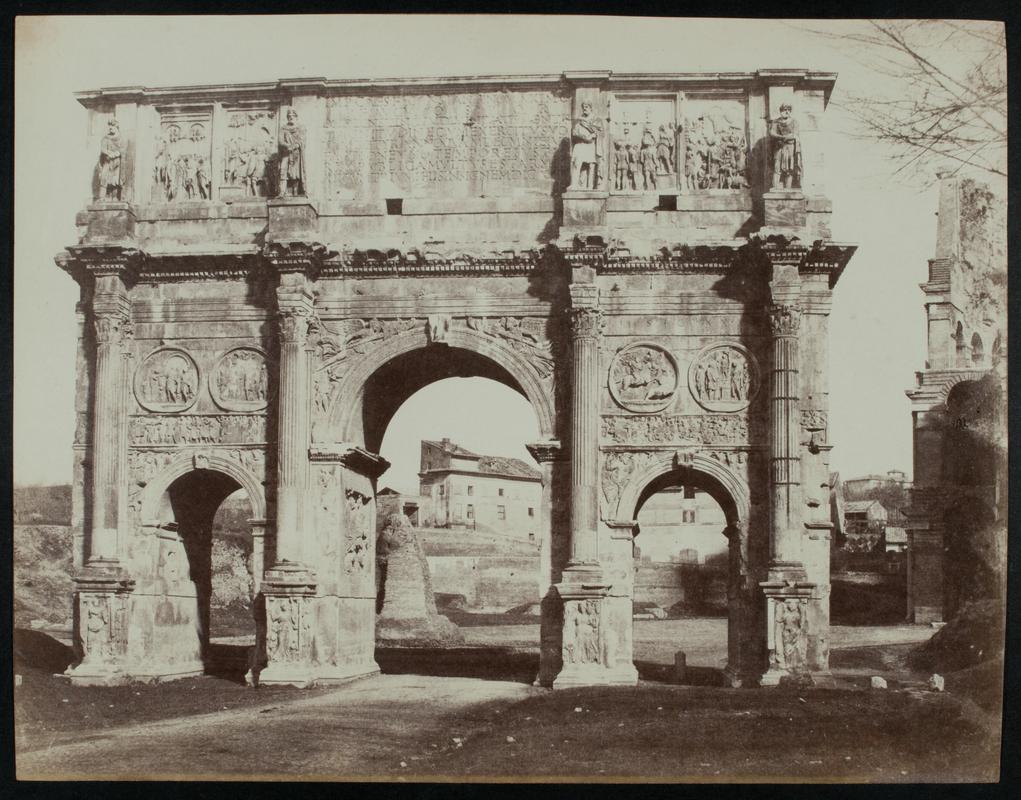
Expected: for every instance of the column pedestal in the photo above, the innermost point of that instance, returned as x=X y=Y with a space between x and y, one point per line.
x=288 y=596
x=589 y=640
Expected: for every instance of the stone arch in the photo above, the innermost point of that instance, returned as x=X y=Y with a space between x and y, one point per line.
x=960 y=377
x=538 y=392
x=189 y=462
x=735 y=501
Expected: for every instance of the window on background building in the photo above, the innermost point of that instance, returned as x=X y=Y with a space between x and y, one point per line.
x=500 y=491
x=470 y=512
x=531 y=511
x=501 y=512
x=441 y=490
x=531 y=536
x=687 y=516
x=471 y=490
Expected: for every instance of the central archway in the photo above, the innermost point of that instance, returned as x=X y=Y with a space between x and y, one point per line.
x=505 y=499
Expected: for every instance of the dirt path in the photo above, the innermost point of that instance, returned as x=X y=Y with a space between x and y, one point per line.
x=362 y=729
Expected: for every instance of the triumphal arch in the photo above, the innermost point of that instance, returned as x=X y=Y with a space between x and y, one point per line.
x=269 y=270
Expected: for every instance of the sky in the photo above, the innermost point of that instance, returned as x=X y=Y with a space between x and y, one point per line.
x=877 y=327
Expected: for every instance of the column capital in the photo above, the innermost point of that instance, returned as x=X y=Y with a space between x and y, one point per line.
x=112 y=327
x=784 y=319
x=295 y=323
x=545 y=452
x=586 y=322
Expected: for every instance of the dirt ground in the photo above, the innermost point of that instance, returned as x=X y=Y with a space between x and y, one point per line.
x=472 y=713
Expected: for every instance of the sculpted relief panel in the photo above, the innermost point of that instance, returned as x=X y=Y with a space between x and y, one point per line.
x=643 y=145
x=249 y=153
x=240 y=380
x=643 y=378
x=197 y=429
x=183 y=158
x=716 y=144
x=167 y=380
x=723 y=378
x=675 y=429
x=455 y=144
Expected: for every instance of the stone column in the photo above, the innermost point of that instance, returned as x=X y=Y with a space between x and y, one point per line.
x=785 y=436
x=545 y=454
x=103 y=585
x=595 y=634
x=289 y=587
x=787 y=589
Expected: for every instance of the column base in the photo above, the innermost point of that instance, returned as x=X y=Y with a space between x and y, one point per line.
x=305 y=676
x=575 y=675
x=120 y=675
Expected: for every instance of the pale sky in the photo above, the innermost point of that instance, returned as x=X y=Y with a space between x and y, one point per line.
x=877 y=325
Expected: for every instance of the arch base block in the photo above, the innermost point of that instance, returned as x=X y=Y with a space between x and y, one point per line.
x=596 y=637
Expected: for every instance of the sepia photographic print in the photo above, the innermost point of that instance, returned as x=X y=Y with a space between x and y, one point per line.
x=509 y=409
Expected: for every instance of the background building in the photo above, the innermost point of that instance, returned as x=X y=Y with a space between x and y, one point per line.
x=681 y=524
x=491 y=494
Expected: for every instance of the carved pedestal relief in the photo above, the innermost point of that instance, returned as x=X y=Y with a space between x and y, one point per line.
x=240 y=380
x=167 y=381
x=789 y=646
x=182 y=164
x=103 y=625
x=288 y=628
x=581 y=640
x=723 y=378
x=643 y=378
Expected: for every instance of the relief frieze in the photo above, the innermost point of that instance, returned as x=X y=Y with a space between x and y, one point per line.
x=197 y=429
x=643 y=378
x=675 y=429
x=240 y=380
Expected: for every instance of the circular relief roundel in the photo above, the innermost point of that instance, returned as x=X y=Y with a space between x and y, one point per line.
x=643 y=378
x=723 y=377
x=240 y=380
x=167 y=380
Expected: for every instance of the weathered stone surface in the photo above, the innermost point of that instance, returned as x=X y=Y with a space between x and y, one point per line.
x=269 y=271
x=409 y=616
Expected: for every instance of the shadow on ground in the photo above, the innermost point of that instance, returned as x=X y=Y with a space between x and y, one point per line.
x=490 y=663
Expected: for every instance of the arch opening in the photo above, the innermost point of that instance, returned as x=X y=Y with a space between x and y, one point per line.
x=396 y=381
x=461 y=474
x=206 y=515
x=708 y=550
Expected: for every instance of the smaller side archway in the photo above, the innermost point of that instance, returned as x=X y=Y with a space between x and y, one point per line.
x=731 y=493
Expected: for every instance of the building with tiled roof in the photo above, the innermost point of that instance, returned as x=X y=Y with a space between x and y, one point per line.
x=489 y=494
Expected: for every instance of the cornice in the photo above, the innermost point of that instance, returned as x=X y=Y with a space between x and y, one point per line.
x=283 y=88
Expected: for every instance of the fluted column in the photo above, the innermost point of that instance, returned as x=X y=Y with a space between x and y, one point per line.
x=107 y=421
x=586 y=323
x=785 y=438
x=295 y=314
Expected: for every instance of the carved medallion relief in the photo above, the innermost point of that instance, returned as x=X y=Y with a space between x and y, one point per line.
x=643 y=378
x=167 y=381
x=240 y=380
x=723 y=378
